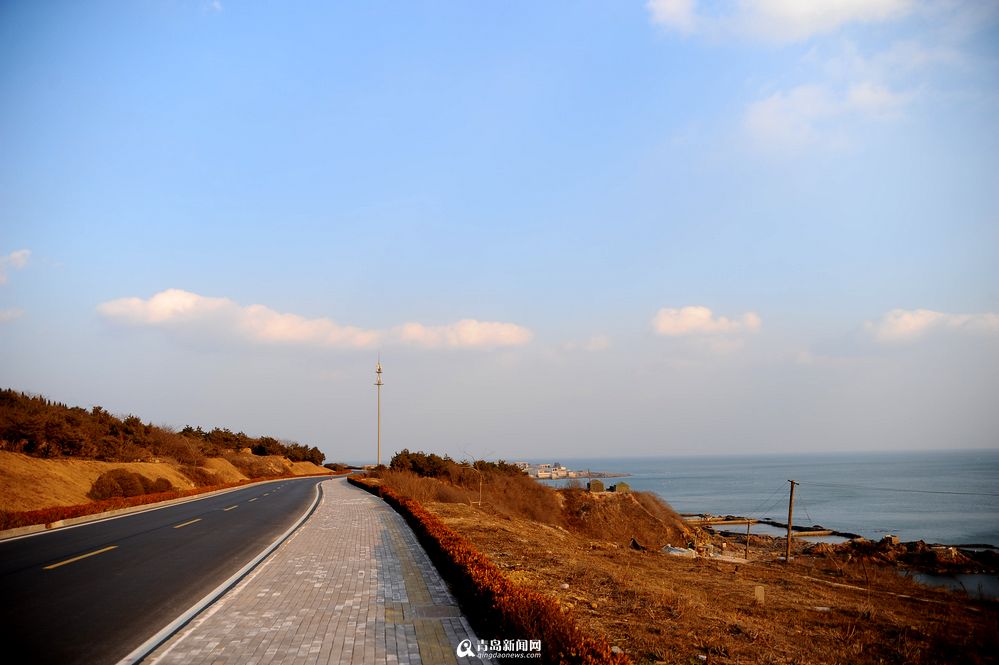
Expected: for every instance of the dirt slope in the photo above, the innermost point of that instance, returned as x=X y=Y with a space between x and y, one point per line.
x=667 y=609
x=31 y=483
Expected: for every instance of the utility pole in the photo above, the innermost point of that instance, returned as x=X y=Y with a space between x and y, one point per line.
x=790 y=515
x=378 y=384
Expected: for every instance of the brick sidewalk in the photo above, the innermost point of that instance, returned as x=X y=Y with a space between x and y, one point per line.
x=352 y=585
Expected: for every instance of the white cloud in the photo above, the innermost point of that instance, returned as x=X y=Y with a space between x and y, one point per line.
x=901 y=59
x=775 y=20
x=678 y=15
x=198 y=315
x=787 y=120
x=10 y=314
x=15 y=260
x=808 y=115
x=698 y=320
x=874 y=100
x=464 y=333
x=901 y=325
x=595 y=343
x=836 y=85
x=796 y=20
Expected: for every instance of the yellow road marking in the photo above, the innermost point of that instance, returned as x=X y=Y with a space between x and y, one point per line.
x=253 y=499
x=196 y=519
x=230 y=508
x=82 y=556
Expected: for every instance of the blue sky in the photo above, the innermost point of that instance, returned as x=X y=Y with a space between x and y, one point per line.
x=576 y=229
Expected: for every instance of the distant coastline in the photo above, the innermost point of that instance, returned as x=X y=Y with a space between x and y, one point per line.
x=933 y=496
x=556 y=471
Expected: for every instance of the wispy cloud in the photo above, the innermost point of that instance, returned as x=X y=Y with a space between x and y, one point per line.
x=699 y=320
x=845 y=61
x=211 y=317
x=10 y=314
x=901 y=325
x=773 y=20
x=465 y=333
x=595 y=343
x=837 y=87
x=679 y=15
x=786 y=120
x=14 y=260
x=794 y=20
x=809 y=115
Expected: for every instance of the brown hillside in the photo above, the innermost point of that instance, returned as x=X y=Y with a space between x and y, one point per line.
x=621 y=517
x=31 y=483
x=667 y=609
x=223 y=469
x=606 y=516
x=39 y=427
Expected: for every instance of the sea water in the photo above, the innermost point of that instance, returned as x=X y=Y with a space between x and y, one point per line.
x=947 y=497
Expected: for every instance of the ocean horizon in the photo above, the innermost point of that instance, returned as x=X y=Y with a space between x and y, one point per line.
x=939 y=496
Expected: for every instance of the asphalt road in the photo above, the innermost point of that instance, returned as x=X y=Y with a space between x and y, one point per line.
x=93 y=593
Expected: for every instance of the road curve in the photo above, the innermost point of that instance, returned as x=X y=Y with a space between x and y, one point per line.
x=93 y=593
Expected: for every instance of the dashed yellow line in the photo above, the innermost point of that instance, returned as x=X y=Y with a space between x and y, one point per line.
x=196 y=519
x=230 y=508
x=82 y=556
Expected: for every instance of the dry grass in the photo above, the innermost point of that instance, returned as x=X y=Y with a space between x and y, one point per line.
x=223 y=469
x=503 y=495
x=621 y=517
x=666 y=609
x=425 y=489
x=32 y=483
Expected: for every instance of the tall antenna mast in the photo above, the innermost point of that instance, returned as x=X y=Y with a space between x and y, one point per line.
x=378 y=384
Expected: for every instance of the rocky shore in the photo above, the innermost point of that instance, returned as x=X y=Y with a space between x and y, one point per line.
x=915 y=556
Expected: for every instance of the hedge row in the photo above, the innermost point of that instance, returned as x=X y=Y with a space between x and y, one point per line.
x=495 y=605
x=15 y=519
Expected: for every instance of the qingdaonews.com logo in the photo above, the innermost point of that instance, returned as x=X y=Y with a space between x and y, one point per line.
x=499 y=649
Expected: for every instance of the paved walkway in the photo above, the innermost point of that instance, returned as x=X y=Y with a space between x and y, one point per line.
x=352 y=585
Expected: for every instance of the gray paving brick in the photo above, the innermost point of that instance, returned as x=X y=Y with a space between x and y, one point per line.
x=351 y=585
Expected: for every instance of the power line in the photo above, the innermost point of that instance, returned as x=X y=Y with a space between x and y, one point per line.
x=801 y=500
x=773 y=504
x=756 y=510
x=895 y=489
